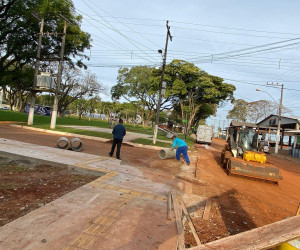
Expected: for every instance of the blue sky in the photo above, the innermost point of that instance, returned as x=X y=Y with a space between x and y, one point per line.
x=128 y=33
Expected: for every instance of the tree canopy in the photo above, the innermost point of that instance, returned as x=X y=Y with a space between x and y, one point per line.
x=20 y=26
x=192 y=93
x=135 y=84
x=253 y=111
x=239 y=111
x=194 y=90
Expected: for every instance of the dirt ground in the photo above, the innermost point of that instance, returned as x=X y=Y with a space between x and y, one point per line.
x=240 y=204
x=237 y=204
x=26 y=186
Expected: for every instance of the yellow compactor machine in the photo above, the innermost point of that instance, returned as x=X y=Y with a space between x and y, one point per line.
x=241 y=156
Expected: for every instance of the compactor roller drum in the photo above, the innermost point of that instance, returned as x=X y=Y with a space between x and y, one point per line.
x=256 y=170
x=242 y=157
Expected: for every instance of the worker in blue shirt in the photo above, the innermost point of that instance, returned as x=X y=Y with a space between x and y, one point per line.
x=182 y=149
x=119 y=131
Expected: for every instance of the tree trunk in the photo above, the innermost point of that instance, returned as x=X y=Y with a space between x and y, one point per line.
x=148 y=117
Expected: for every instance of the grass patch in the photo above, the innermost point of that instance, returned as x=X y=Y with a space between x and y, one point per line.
x=139 y=129
x=150 y=142
x=41 y=121
x=85 y=132
x=44 y=123
x=189 y=140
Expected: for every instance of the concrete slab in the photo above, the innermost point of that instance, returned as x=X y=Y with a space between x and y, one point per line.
x=122 y=209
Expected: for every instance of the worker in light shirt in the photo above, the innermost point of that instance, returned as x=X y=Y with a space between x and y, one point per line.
x=182 y=148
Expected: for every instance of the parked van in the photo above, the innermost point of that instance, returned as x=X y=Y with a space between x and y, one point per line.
x=204 y=134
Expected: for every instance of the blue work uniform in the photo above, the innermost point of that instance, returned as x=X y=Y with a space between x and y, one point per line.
x=182 y=149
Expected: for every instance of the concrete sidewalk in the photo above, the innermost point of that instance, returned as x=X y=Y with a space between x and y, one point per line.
x=122 y=209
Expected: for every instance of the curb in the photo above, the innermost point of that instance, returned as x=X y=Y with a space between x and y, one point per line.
x=138 y=145
x=61 y=133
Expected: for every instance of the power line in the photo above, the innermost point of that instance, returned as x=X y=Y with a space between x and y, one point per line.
x=116 y=41
x=126 y=26
x=226 y=27
x=230 y=33
x=194 y=24
x=117 y=31
x=250 y=83
x=247 y=51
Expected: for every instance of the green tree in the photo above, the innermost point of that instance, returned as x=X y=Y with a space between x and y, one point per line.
x=77 y=84
x=135 y=85
x=191 y=88
x=15 y=87
x=92 y=104
x=44 y=99
x=81 y=107
x=205 y=111
x=128 y=111
x=20 y=27
x=239 y=111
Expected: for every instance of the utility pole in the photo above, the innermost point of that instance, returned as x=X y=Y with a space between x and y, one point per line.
x=36 y=72
x=279 y=120
x=161 y=81
x=59 y=74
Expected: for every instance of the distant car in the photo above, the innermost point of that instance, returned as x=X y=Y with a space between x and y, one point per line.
x=4 y=108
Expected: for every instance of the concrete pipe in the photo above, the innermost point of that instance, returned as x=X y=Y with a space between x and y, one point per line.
x=76 y=144
x=166 y=153
x=62 y=143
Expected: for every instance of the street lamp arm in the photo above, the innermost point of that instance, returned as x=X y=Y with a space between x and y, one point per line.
x=269 y=95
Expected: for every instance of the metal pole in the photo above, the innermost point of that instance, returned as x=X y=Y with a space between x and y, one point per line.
x=36 y=72
x=60 y=68
x=160 y=84
x=279 y=122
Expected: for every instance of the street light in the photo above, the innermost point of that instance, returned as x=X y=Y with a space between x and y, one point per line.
x=268 y=94
x=279 y=117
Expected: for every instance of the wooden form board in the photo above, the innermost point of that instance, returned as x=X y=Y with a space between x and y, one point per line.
x=259 y=238
x=207 y=210
x=181 y=216
x=190 y=222
x=178 y=218
x=169 y=205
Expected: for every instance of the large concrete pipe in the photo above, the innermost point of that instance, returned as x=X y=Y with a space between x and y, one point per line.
x=166 y=153
x=76 y=144
x=62 y=143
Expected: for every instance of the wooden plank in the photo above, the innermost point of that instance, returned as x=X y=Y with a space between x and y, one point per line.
x=259 y=238
x=178 y=219
x=207 y=210
x=191 y=224
x=169 y=205
x=298 y=211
